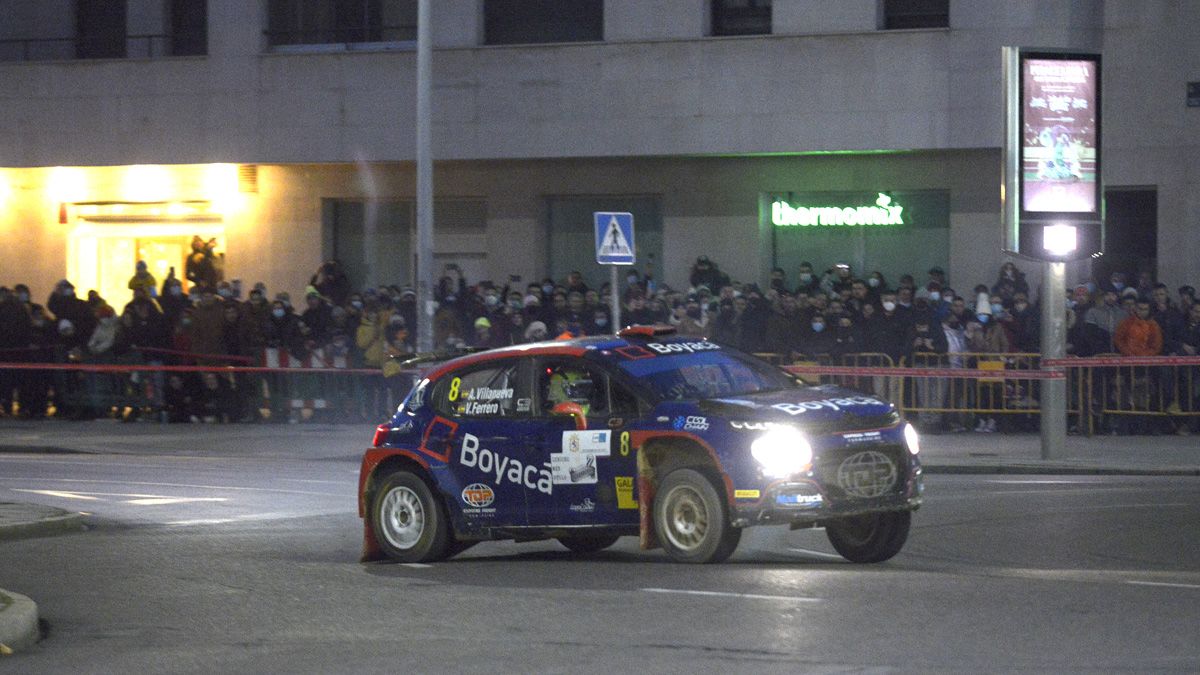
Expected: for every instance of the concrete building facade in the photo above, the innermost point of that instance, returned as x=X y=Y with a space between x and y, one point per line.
x=289 y=154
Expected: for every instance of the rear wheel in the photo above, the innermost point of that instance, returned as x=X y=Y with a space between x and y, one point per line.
x=692 y=520
x=871 y=538
x=588 y=543
x=409 y=522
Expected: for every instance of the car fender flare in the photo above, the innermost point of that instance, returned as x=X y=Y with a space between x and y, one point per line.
x=648 y=539
x=371 y=463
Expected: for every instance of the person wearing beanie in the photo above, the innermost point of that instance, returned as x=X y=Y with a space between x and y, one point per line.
x=535 y=331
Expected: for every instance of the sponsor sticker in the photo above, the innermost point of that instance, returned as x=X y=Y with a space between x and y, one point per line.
x=798 y=500
x=586 y=506
x=594 y=442
x=862 y=437
x=867 y=474
x=691 y=423
x=625 y=498
x=504 y=468
x=478 y=495
x=746 y=494
x=682 y=347
x=573 y=468
x=834 y=404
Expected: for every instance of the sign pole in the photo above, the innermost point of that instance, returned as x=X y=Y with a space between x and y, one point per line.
x=1054 y=340
x=615 y=299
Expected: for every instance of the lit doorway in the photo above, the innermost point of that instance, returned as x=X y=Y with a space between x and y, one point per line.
x=103 y=253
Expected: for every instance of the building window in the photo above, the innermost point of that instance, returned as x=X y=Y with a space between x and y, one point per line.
x=741 y=17
x=99 y=29
x=916 y=14
x=189 y=27
x=309 y=22
x=511 y=22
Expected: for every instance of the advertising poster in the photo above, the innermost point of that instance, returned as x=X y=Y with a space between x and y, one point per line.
x=1059 y=135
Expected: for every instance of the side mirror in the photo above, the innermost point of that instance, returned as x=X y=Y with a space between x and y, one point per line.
x=571 y=409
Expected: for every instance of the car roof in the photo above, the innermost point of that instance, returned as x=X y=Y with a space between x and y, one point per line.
x=577 y=347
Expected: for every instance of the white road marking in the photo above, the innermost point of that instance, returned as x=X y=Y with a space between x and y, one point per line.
x=57 y=493
x=1163 y=583
x=161 y=501
x=93 y=481
x=819 y=554
x=415 y=565
x=200 y=521
x=717 y=594
x=138 y=499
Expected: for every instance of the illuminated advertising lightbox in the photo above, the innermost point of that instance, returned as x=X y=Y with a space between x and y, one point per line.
x=1059 y=135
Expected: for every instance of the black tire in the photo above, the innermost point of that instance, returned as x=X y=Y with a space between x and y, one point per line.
x=871 y=538
x=588 y=543
x=409 y=522
x=691 y=519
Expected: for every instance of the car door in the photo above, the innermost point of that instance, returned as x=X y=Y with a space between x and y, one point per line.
x=484 y=423
x=592 y=465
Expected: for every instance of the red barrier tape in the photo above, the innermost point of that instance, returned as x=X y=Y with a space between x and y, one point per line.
x=194 y=355
x=115 y=368
x=957 y=373
x=1123 y=361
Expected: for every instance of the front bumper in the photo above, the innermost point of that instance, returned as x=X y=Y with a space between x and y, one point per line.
x=823 y=494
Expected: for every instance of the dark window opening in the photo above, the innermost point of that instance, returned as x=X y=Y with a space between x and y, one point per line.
x=100 y=29
x=189 y=27
x=899 y=14
x=741 y=17
x=510 y=22
x=300 y=22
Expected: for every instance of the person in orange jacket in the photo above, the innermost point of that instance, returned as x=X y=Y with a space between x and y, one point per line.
x=1138 y=334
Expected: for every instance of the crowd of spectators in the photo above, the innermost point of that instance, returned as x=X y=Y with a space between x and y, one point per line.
x=819 y=313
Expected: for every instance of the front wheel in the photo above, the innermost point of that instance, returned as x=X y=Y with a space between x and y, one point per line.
x=871 y=538
x=692 y=519
x=409 y=523
x=588 y=543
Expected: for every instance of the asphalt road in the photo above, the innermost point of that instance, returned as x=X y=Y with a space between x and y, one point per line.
x=199 y=564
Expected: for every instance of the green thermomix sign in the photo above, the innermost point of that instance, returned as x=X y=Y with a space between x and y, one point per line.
x=883 y=212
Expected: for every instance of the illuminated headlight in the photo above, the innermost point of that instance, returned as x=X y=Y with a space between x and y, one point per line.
x=911 y=439
x=781 y=452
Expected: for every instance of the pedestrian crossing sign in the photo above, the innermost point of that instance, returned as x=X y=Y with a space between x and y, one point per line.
x=614 y=238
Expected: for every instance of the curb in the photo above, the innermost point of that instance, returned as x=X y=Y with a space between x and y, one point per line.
x=18 y=623
x=61 y=523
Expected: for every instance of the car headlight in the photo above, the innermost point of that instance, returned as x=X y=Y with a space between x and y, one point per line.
x=782 y=452
x=911 y=439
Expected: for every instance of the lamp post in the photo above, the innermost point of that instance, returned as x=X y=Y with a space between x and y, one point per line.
x=425 y=270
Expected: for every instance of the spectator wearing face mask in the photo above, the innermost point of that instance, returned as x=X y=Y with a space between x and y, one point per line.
x=887 y=332
x=817 y=339
x=991 y=337
x=1025 y=325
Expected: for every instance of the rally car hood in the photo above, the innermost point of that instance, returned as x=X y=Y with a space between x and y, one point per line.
x=825 y=407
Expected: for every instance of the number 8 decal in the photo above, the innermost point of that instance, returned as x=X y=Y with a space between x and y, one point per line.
x=624 y=443
x=454 y=384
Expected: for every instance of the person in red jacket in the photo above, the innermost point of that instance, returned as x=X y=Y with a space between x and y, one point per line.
x=1139 y=335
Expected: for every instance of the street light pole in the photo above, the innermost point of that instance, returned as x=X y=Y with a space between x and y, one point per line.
x=1054 y=342
x=425 y=271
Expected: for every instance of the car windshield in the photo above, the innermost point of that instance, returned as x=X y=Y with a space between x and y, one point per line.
x=708 y=374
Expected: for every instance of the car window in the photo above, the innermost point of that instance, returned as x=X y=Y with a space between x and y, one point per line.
x=490 y=391
x=708 y=374
x=572 y=380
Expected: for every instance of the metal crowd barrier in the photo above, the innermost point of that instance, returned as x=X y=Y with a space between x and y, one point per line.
x=1138 y=394
x=316 y=388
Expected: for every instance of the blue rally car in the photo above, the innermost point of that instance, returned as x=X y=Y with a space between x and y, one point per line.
x=681 y=442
